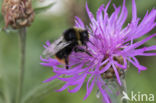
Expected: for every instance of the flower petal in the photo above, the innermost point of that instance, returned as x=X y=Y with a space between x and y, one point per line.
x=124 y=66
x=91 y=16
x=103 y=92
x=147 y=24
x=134 y=11
x=89 y=88
x=137 y=44
x=136 y=64
x=105 y=68
x=123 y=15
x=52 y=78
x=79 y=23
x=62 y=88
x=117 y=74
x=77 y=88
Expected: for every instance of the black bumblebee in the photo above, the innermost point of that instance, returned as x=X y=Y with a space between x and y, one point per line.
x=70 y=41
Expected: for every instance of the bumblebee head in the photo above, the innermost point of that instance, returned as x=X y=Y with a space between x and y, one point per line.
x=84 y=37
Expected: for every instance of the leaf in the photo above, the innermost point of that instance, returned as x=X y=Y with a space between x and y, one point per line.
x=43 y=9
x=1 y=90
x=40 y=92
x=4 y=88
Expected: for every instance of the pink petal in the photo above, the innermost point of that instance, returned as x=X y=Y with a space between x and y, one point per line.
x=137 y=44
x=89 y=88
x=124 y=66
x=91 y=16
x=103 y=92
x=51 y=78
x=79 y=23
x=105 y=68
x=136 y=64
x=117 y=74
x=134 y=11
x=77 y=88
x=123 y=14
x=62 y=88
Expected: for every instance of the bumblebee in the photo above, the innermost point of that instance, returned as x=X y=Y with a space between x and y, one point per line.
x=70 y=41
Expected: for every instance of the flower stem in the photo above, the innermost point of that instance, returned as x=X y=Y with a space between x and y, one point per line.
x=22 y=37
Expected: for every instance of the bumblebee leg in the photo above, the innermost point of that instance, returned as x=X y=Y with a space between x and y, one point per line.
x=81 y=50
x=66 y=62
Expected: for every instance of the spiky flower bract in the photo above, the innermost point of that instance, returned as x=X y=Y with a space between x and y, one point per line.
x=110 y=40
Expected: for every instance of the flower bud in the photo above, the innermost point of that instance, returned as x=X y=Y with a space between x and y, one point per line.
x=17 y=13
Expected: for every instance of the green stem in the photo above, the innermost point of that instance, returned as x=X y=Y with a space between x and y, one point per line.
x=22 y=37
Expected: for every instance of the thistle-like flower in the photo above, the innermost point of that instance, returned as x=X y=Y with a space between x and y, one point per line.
x=113 y=48
x=17 y=13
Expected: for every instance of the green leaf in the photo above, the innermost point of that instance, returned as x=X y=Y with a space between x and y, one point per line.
x=1 y=89
x=43 y=9
x=5 y=94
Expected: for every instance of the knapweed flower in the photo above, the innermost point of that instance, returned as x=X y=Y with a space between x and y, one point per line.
x=112 y=47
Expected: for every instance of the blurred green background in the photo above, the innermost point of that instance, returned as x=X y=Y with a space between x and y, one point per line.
x=49 y=25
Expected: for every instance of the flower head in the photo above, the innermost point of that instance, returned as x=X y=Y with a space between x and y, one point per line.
x=17 y=13
x=111 y=47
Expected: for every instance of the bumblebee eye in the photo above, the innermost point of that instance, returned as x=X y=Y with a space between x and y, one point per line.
x=85 y=35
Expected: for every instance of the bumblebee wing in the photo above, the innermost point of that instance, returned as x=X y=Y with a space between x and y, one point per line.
x=55 y=47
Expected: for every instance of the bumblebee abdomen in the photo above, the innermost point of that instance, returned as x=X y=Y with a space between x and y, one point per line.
x=65 y=52
x=61 y=60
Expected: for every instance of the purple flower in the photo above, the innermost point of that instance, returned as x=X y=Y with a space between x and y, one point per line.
x=111 y=40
